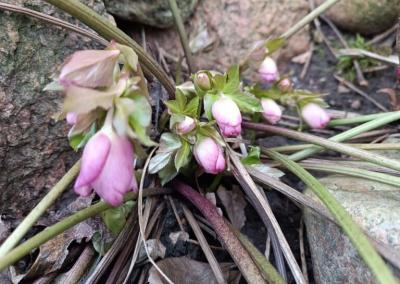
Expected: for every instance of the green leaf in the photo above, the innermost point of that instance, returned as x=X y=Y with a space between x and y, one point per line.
x=271 y=93
x=219 y=81
x=246 y=102
x=169 y=142
x=180 y=99
x=80 y=140
x=208 y=130
x=140 y=119
x=209 y=100
x=115 y=218
x=233 y=80
x=130 y=56
x=361 y=242
x=159 y=161
x=253 y=157
x=192 y=107
x=274 y=44
x=173 y=106
x=182 y=157
x=167 y=173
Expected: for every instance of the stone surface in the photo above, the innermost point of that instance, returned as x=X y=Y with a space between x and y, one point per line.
x=231 y=27
x=374 y=206
x=34 y=151
x=366 y=17
x=155 y=13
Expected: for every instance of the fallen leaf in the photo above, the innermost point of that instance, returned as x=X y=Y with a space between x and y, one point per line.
x=392 y=96
x=234 y=203
x=184 y=270
x=156 y=250
x=178 y=236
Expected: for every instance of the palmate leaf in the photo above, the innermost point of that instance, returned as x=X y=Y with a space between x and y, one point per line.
x=253 y=157
x=182 y=156
x=209 y=100
x=246 y=102
x=232 y=80
x=115 y=218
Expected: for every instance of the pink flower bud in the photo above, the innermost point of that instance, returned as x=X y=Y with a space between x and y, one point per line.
x=268 y=70
x=315 y=116
x=203 y=81
x=107 y=167
x=209 y=155
x=71 y=118
x=285 y=85
x=90 y=68
x=185 y=126
x=271 y=110
x=228 y=116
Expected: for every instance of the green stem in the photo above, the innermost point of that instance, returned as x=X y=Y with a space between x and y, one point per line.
x=70 y=221
x=309 y=18
x=328 y=144
x=361 y=173
x=370 y=125
x=357 y=119
x=38 y=211
x=367 y=146
x=110 y=32
x=182 y=34
x=353 y=231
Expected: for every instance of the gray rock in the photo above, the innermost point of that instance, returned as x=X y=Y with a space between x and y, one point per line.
x=367 y=17
x=154 y=13
x=34 y=150
x=374 y=206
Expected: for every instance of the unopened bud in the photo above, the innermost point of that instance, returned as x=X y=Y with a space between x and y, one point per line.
x=285 y=85
x=203 y=81
x=268 y=70
x=315 y=116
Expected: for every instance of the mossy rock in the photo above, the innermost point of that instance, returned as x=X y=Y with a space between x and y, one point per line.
x=154 y=13
x=367 y=17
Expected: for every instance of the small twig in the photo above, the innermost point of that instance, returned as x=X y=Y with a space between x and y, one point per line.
x=178 y=219
x=360 y=76
x=302 y=251
x=382 y=36
x=182 y=34
x=360 y=92
x=219 y=276
x=79 y=268
x=307 y=63
x=361 y=53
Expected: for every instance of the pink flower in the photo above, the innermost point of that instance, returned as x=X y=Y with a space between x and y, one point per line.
x=90 y=68
x=285 y=85
x=268 y=70
x=228 y=116
x=209 y=155
x=107 y=167
x=203 y=81
x=315 y=116
x=185 y=126
x=271 y=110
x=71 y=118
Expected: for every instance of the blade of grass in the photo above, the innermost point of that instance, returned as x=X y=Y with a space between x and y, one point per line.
x=68 y=222
x=110 y=32
x=219 y=276
x=263 y=208
x=357 y=119
x=39 y=209
x=228 y=238
x=355 y=234
x=267 y=269
x=365 y=146
x=328 y=144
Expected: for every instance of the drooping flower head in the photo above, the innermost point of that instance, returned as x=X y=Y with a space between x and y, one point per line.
x=268 y=70
x=315 y=116
x=285 y=85
x=271 y=110
x=228 y=116
x=107 y=167
x=209 y=155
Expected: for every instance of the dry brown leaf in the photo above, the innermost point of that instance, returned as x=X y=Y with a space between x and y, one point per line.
x=155 y=248
x=392 y=96
x=184 y=270
x=234 y=203
x=178 y=236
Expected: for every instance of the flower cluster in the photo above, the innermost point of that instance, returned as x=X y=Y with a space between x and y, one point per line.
x=101 y=92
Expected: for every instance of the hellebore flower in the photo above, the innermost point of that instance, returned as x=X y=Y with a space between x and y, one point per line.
x=71 y=118
x=185 y=126
x=107 y=167
x=90 y=68
x=271 y=110
x=268 y=70
x=209 y=155
x=228 y=116
x=203 y=81
x=285 y=85
x=315 y=116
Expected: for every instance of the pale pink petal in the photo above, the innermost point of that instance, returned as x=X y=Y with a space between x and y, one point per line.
x=117 y=174
x=90 y=68
x=268 y=70
x=93 y=160
x=209 y=155
x=271 y=110
x=315 y=116
x=187 y=125
x=83 y=190
x=71 y=118
x=228 y=116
